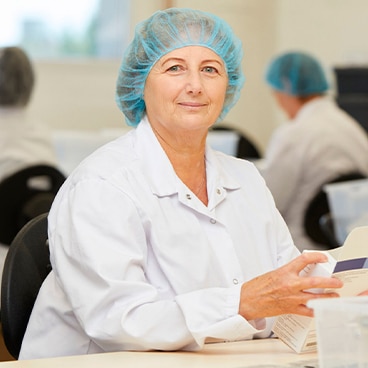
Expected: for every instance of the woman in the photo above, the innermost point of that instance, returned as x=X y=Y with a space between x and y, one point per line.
x=157 y=241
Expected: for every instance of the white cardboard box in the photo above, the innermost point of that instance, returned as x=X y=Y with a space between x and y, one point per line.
x=348 y=263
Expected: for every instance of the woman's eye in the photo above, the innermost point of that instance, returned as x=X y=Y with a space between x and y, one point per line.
x=210 y=69
x=174 y=68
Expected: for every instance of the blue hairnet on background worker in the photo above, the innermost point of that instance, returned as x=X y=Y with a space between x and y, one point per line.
x=297 y=74
x=318 y=143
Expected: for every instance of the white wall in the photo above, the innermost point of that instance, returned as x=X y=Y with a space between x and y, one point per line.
x=81 y=95
x=335 y=29
x=76 y=95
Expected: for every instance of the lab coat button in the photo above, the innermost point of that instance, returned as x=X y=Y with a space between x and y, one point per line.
x=213 y=221
x=235 y=281
x=218 y=191
x=189 y=196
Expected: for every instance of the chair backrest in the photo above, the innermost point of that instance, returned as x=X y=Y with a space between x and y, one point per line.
x=327 y=225
x=24 y=195
x=246 y=148
x=318 y=208
x=26 y=266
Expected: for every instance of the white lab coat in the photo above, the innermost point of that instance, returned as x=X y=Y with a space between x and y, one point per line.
x=321 y=143
x=140 y=263
x=23 y=142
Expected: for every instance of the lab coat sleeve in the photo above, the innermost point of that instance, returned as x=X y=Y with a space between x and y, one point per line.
x=102 y=273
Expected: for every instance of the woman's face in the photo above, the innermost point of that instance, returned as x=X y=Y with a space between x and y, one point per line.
x=186 y=89
x=288 y=103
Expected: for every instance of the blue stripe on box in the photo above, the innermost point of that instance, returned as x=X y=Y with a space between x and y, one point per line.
x=351 y=264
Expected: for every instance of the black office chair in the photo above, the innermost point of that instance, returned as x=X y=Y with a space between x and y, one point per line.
x=318 y=222
x=246 y=149
x=26 y=266
x=24 y=195
x=327 y=225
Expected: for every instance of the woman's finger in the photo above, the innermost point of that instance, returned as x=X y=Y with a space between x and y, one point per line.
x=302 y=261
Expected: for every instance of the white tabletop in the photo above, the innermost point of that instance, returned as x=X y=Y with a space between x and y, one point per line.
x=255 y=353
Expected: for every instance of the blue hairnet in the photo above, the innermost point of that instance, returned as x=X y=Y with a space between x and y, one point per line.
x=166 y=31
x=296 y=73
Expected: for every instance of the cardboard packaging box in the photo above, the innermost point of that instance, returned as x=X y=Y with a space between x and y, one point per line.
x=348 y=263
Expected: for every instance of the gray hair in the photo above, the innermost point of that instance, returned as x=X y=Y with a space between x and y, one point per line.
x=16 y=77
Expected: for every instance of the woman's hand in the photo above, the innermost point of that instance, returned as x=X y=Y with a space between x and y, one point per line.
x=283 y=291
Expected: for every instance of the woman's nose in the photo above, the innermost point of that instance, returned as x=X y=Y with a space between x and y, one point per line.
x=194 y=83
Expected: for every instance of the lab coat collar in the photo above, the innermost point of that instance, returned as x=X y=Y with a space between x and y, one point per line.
x=155 y=161
x=156 y=164
x=311 y=106
x=12 y=114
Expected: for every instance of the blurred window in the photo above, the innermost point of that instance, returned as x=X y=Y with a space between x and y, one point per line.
x=66 y=29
